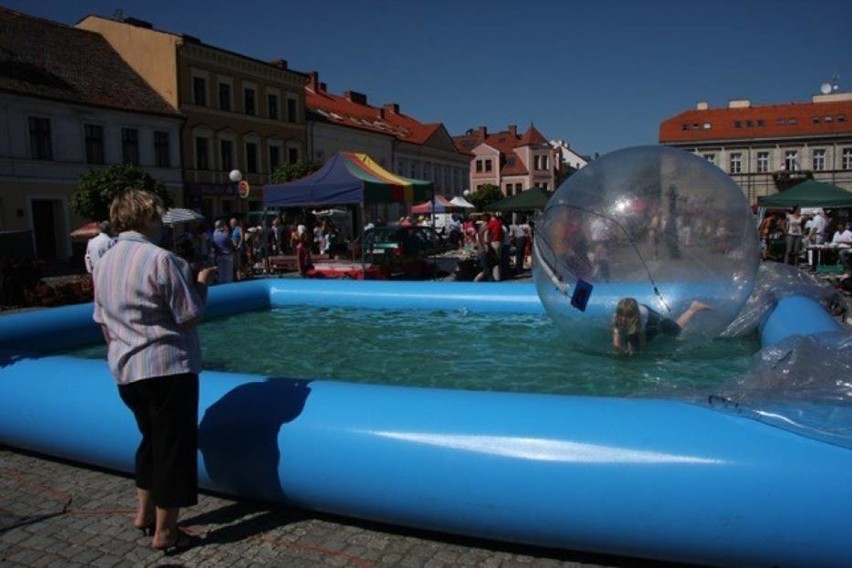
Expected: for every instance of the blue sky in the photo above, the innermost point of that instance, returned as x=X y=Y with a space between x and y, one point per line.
x=601 y=75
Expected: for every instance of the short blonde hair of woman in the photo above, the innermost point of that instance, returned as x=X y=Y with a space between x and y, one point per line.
x=135 y=210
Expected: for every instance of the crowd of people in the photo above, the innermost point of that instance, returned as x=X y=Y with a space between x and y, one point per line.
x=807 y=233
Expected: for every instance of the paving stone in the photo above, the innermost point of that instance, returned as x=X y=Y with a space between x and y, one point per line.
x=96 y=530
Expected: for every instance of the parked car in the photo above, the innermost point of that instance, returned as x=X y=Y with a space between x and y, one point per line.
x=404 y=252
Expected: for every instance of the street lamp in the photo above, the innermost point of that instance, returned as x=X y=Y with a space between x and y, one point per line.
x=236 y=176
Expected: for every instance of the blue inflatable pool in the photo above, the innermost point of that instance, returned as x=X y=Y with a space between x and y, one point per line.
x=656 y=479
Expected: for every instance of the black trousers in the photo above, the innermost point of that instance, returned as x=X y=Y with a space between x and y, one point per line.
x=166 y=412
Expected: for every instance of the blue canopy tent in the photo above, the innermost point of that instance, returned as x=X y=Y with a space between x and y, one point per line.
x=347 y=178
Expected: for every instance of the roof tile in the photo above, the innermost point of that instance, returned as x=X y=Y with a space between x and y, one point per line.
x=51 y=60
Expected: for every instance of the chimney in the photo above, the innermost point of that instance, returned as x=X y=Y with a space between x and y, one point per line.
x=323 y=87
x=280 y=63
x=380 y=112
x=482 y=131
x=392 y=108
x=513 y=130
x=355 y=97
x=314 y=82
x=702 y=105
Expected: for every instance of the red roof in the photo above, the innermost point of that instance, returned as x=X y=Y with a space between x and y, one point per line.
x=504 y=142
x=352 y=110
x=47 y=59
x=764 y=121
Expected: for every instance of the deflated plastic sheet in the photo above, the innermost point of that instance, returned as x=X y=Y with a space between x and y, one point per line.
x=803 y=382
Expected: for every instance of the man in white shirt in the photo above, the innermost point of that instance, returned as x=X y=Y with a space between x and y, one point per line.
x=97 y=246
x=843 y=241
x=817 y=227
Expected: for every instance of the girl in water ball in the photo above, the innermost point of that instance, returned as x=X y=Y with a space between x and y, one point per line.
x=634 y=324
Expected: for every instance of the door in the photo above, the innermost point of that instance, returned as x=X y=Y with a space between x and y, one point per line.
x=44 y=227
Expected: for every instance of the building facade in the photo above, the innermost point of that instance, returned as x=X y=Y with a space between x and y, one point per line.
x=241 y=113
x=511 y=161
x=766 y=148
x=59 y=120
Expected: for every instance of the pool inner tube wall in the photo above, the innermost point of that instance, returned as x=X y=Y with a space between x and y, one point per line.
x=657 y=479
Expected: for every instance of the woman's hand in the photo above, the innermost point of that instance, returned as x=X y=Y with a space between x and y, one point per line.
x=205 y=275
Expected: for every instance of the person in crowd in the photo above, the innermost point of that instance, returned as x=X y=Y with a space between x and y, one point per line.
x=97 y=246
x=843 y=241
x=634 y=324
x=494 y=237
x=454 y=231
x=279 y=243
x=148 y=306
x=485 y=255
x=303 y=254
x=520 y=232
x=794 y=232
x=817 y=228
x=238 y=241
x=767 y=230
x=223 y=252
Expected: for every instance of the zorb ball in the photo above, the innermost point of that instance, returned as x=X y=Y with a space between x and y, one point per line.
x=652 y=223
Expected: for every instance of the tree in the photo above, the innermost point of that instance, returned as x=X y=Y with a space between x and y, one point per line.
x=297 y=170
x=485 y=195
x=96 y=189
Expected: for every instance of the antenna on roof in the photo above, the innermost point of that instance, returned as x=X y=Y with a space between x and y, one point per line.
x=834 y=82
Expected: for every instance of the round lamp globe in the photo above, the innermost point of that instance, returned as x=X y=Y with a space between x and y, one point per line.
x=235 y=175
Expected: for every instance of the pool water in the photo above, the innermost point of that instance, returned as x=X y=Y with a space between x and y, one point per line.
x=456 y=350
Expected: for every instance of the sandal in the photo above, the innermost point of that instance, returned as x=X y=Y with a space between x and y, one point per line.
x=182 y=543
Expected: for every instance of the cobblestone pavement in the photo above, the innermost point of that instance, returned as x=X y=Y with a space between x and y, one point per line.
x=57 y=514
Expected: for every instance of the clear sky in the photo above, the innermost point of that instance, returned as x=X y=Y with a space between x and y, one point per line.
x=600 y=74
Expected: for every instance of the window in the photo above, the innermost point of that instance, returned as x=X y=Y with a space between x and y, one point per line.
x=225 y=97
x=736 y=163
x=847 y=158
x=518 y=187
x=130 y=146
x=272 y=105
x=762 y=162
x=684 y=126
x=251 y=157
x=202 y=153
x=540 y=162
x=708 y=126
x=738 y=124
x=292 y=109
x=710 y=158
x=226 y=152
x=487 y=165
x=781 y=121
x=819 y=160
x=479 y=167
x=791 y=160
x=274 y=157
x=793 y=121
x=508 y=190
x=199 y=90
x=162 y=159
x=841 y=118
x=94 y=143
x=41 y=147
x=761 y=123
x=249 y=100
x=292 y=155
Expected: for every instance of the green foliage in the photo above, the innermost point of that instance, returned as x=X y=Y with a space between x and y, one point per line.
x=96 y=189
x=298 y=170
x=485 y=195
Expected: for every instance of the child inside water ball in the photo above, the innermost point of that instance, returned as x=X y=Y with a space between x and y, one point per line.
x=634 y=324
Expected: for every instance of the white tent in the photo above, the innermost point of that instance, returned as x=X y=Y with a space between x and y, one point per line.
x=460 y=201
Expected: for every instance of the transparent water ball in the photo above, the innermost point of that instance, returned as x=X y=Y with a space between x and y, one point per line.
x=653 y=223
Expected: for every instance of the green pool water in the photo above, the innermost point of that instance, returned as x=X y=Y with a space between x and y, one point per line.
x=457 y=350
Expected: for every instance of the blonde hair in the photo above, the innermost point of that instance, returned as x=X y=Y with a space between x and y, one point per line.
x=627 y=316
x=134 y=210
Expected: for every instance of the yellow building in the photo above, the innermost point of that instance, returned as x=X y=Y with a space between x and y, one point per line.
x=241 y=113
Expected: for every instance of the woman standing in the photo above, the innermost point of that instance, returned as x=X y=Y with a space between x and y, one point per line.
x=794 y=233
x=148 y=303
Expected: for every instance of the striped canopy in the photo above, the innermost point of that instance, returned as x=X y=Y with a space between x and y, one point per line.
x=347 y=178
